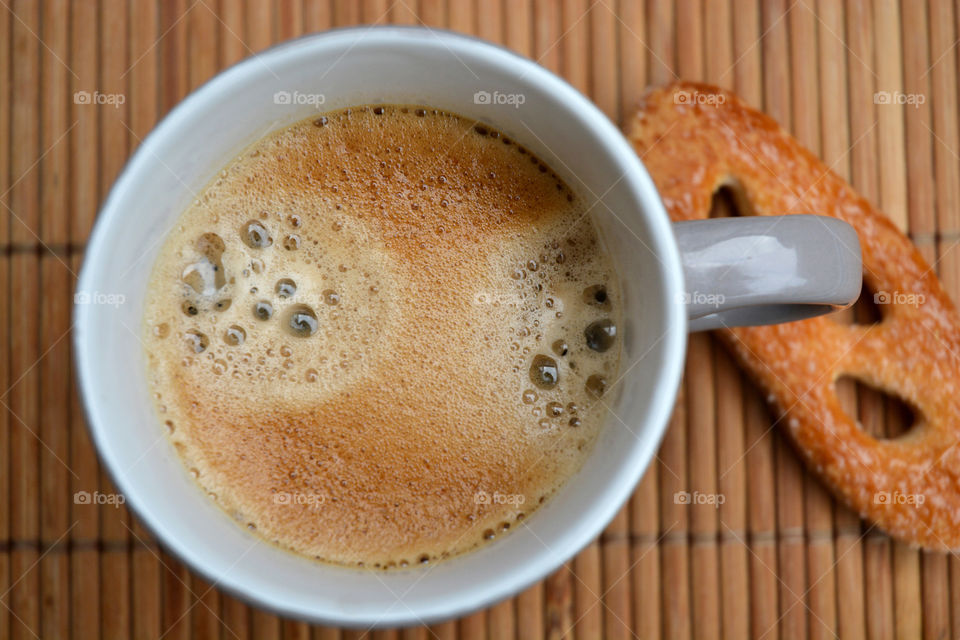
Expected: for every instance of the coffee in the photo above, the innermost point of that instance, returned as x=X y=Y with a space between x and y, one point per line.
x=381 y=336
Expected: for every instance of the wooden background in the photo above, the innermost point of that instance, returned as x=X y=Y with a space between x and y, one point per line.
x=778 y=559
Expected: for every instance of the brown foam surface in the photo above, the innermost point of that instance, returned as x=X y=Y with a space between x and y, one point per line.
x=437 y=260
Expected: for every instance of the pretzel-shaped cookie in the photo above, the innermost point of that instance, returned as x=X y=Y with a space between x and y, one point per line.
x=695 y=139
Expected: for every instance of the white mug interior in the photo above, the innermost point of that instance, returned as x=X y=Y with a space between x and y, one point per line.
x=351 y=67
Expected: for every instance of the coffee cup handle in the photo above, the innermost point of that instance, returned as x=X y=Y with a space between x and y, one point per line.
x=761 y=270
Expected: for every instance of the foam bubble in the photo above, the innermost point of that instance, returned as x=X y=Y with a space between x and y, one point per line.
x=263 y=310
x=544 y=372
x=196 y=340
x=235 y=336
x=256 y=235
x=301 y=321
x=600 y=334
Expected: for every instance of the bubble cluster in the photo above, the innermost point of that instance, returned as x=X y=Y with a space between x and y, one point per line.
x=337 y=289
x=567 y=339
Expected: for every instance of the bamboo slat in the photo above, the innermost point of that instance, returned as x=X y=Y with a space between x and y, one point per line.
x=57 y=279
x=6 y=139
x=82 y=205
x=943 y=80
x=24 y=394
x=644 y=524
x=835 y=149
x=820 y=593
x=145 y=565
x=779 y=558
x=747 y=71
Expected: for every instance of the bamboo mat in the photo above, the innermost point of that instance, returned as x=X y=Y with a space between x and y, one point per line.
x=779 y=558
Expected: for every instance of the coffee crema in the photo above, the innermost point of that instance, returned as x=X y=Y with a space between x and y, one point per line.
x=379 y=336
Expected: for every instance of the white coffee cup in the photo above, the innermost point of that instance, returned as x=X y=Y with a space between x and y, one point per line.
x=799 y=259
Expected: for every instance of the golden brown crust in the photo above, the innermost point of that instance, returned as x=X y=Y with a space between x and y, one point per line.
x=694 y=144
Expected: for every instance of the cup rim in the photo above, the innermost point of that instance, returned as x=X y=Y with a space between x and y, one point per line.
x=617 y=491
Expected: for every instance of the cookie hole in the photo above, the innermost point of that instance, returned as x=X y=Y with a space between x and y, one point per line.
x=865 y=310
x=881 y=414
x=728 y=202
